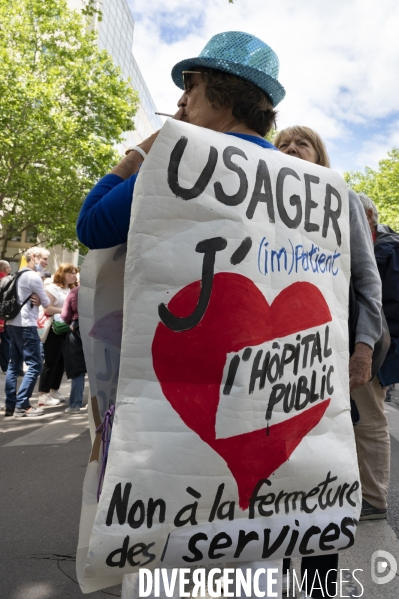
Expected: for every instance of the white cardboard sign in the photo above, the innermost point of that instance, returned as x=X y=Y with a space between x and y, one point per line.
x=232 y=438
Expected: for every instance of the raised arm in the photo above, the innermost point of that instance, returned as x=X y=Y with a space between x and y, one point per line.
x=105 y=215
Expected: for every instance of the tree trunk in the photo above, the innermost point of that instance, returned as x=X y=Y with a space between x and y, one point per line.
x=4 y=248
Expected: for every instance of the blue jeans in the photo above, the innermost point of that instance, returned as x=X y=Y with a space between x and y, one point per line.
x=24 y=347
x=77 y=386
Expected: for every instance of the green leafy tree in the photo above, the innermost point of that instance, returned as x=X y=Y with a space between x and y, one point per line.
x=271 y=135
x=63 y=107
x=382 y=186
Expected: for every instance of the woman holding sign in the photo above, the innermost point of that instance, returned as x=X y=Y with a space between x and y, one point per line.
x=236 y=97
x=230 y=88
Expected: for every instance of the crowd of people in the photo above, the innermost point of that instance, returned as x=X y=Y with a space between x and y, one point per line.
x=43 y=340
x=225 y=100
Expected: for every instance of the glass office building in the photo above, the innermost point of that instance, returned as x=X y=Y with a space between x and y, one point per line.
x=115 y=34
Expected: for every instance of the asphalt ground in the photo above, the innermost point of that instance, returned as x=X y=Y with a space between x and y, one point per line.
x=42 y=465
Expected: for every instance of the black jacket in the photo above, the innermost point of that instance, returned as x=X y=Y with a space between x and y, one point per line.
x=386 y=250
x=74 y=359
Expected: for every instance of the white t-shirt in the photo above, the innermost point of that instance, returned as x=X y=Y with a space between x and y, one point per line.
x=59 y=293
x=29 y=282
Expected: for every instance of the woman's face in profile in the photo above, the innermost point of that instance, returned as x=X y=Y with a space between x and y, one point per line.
x=300 y=147
x=70 y=278
x=194 y=108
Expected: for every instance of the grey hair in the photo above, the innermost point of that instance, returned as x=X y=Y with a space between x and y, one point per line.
x=30 y=253
x=368 y=204
x=38 y=251
x=4 y=264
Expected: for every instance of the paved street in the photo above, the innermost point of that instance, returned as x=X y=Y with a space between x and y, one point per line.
x=42 y=468
x=43 y=463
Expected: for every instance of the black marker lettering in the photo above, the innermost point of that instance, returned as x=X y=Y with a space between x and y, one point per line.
x=255 y=497
x=121 y=552
x=303 y=547
x=243 y=539
x=192 y=546
x=295 y=200
x=353 y=488
x=276 y=395
x=330 y=387
x=348 y=533
x=262 y=181
x=220 y=541
x=309 y=203
x=203 y=179
x=332 y=215
x=215 y=506
x=327 y=350
x=330 y=533
x=137 y=508
x=241 y=252
x=239 y=197
x=268 y=549
x=137 y=549
x=233 y=367
x=229 y=512
x=152 y=506
x=208 y=247
x=119 y=503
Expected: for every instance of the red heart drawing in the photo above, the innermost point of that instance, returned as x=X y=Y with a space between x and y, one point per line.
x=189 y=366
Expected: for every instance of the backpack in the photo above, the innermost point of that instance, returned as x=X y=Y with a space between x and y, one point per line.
x=9 y=302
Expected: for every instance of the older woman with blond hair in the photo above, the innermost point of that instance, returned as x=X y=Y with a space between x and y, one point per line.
x=53 y=367
x=304 y=143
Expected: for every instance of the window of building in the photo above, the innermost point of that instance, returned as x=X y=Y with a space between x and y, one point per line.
x=31 y=235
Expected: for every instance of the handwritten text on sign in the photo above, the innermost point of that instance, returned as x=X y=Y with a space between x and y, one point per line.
x=232 y=438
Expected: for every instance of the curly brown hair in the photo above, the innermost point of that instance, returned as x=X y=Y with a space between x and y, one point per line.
x=249 y=103
x=59 y=277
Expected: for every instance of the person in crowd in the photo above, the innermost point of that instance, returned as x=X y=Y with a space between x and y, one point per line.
x=53 y=367
x=5 y=270
x=224 y=97
x=25 y=344
x=372 y=432
x=41 y=258
x=221 y=100
x=45 y=275
x=306 y=144
x=75 y=365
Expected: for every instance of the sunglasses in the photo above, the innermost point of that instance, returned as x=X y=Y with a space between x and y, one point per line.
x=186 y=79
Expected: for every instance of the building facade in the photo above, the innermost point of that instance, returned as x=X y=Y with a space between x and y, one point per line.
x=115 y=34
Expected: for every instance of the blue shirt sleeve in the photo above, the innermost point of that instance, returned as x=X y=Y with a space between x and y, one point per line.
x=104 y=219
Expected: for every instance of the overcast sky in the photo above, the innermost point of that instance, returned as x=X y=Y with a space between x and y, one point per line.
x=339 y=62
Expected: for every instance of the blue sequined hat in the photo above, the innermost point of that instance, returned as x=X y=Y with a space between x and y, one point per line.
x=240 y=54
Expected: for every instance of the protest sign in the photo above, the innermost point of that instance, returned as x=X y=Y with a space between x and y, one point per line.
x=100 y=321
x=232 y=438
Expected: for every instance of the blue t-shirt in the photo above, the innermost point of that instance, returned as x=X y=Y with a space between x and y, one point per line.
x=104 y=219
